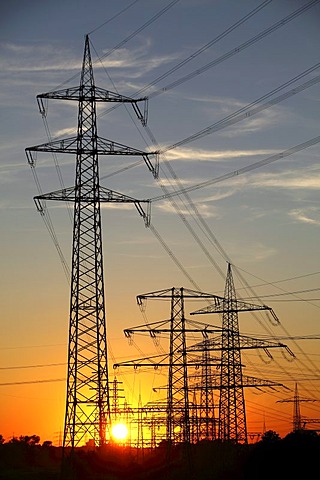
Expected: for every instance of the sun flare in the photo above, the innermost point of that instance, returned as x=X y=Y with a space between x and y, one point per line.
x=119 y=431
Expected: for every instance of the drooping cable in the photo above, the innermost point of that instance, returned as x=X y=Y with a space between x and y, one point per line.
x=206 y=46
x=236 y=50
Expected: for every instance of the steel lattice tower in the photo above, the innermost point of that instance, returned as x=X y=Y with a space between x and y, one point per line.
x=207 y=421
x=178 y=396
x=232 y=414
x=177 y=406
x=298 y=423
x=88 y=401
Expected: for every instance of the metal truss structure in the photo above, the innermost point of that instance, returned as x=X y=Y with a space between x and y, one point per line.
x=177 y=407
x=87 y=414
x=232 y=414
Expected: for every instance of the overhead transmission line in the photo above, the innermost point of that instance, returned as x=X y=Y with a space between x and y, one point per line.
x=145 y=25
x=34 y=366
x=253 y=108
x=222 y=124
x=205 y=47
x=241 y=171
x=28 y=382
x=48 y=222
x=152 y=227
x=114 y=16
x=242 y=114
x=238 y=49
x=274 y=284
x=237 y=116
x=220 y=59
x=308 y=290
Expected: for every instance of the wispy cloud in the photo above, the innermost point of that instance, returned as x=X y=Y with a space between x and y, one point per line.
x=17 y=58
x=201 y=154
x=252 y=252
x=293 y=179
x=134 y=59
x=310 y=215
x=206 y=210
x=226 y=107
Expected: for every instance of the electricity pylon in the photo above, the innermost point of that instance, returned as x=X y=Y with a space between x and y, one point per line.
x=298 y=423
x=177 y=406
x=232 y=414
x=207 y=421
x=87 y=412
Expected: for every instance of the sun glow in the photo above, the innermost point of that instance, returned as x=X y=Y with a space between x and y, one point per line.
x=119 y=431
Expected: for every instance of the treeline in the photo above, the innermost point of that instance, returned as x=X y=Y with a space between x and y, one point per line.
x=296 y=456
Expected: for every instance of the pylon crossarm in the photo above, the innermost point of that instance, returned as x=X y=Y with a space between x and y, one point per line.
x=250 y=342
x=89 y=93
x=66 y=194
x=104 y=147
x=248 y=381
x=223 y=306
x=150 y=327
x=106 y=195
x=155 y=361
x=97 y=94
x=167 y=294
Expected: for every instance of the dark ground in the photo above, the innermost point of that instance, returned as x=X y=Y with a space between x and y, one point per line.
x=295 y=457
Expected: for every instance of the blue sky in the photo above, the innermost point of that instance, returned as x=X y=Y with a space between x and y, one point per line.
x=265 y=221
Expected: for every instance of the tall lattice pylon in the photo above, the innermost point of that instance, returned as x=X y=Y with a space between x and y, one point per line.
x=232 y=413
x=232 y=416
x=177 y=408
x=87 y=415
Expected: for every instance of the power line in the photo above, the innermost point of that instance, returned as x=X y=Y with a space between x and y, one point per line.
x=114 y=16
x=252 y=108
x=236 y=50
x=33 y=381
x=241 y=171
x=206 y=46
x=145 y=25
x=33 y=366
x=286 y=293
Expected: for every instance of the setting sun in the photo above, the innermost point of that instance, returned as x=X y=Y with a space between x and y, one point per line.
x=119 y=431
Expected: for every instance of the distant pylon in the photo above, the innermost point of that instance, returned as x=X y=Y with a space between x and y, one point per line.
x=297 y=423
x=87 y=413
x=177 y=408
x=207 y=421
x=296 y=411
x=232 y=413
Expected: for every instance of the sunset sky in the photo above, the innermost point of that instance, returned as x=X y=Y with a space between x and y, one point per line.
x=233 y=109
